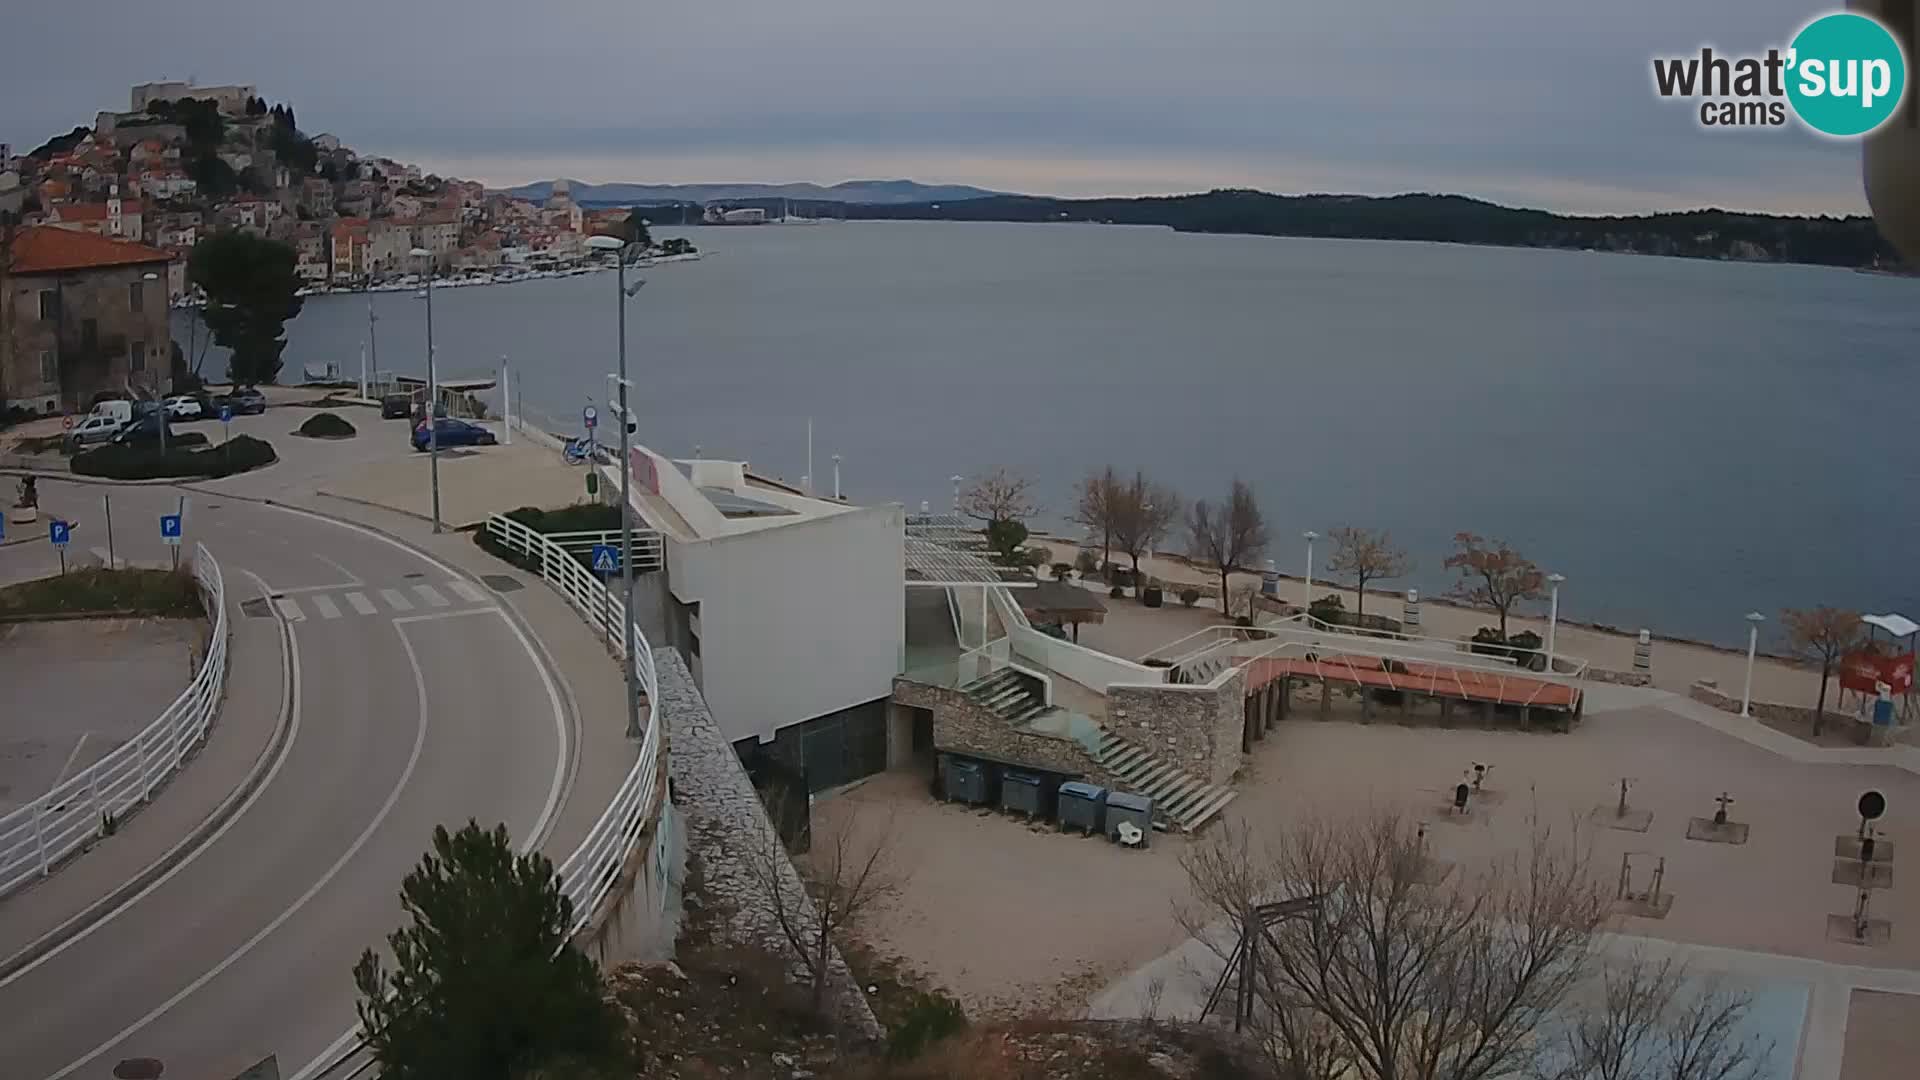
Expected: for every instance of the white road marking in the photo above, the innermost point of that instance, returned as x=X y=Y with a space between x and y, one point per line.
x=396 y=601
x=325 y=605
x=348 y=573
x=431 y=595
x=439 y=615
x=71 y=758
x=290 y=608
x=467 y=591
x=393 y=797
x=335 y=587
x=290 y=653
x=361 y=604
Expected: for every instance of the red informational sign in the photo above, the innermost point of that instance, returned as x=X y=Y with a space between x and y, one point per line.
x=1866 y=669
x=644 y=473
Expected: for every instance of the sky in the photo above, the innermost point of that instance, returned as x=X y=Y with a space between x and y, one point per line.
x=1544 y=103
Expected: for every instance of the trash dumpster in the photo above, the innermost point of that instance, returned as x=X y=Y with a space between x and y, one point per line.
x=1125 y=807
x=1083 y=806
x=967 y=781
x=1024 y=792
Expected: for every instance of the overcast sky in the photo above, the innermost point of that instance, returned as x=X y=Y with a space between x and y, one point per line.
x=1543 y=103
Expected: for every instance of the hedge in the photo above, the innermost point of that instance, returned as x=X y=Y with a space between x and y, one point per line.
x=97 y=589
x=327 y=425
x=239 y=454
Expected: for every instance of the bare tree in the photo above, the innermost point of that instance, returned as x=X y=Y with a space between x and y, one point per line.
x=1095 y=500
x=1143 y=514
x=1228 y=535
x=1824 y=634
x=1364 y=555
x=1653 y=1023
x=1493 y=575
x=1394 y=979
x=1001 y=495
x=847 y=871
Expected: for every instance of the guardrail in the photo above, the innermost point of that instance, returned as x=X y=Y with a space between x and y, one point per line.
x=39 y=834
x=589 y=874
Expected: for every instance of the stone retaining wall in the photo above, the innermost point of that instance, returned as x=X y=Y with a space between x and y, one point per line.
x=1197 y=729
x=1707 y=692
x=1622 y=678
x=725 y=819
x=964 y=726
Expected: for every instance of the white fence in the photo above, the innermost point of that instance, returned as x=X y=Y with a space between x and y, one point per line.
x=648 y=552
x=590 y=873
x=36 y=836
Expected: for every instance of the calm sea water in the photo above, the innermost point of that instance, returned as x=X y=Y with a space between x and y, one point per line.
x=1686 y=441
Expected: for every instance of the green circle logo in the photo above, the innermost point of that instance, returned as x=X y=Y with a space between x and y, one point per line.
x=1847 y=74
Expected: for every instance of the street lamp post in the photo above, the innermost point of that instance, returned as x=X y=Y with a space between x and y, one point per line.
x=622 y=295
x=1553 y=615
x=433 y=393
x=1754 y=619
x=956 y=492
x=1306 y=600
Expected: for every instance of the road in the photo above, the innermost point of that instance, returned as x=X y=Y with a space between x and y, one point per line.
x=413 y=700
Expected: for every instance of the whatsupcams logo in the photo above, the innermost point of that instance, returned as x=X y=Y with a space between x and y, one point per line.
x=1843 y=75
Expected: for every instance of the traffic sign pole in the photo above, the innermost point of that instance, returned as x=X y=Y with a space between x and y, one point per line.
x=107 y=500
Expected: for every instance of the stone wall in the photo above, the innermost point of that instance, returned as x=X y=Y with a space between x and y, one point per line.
x=724 y=820
x=1622 y=678
x=964 y=726
x=1707 y=692
x=1197 y=729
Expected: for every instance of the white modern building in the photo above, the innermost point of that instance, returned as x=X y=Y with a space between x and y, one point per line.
x=788 y=607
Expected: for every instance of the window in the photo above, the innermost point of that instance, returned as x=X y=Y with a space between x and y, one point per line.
x=137 y=356
x=49 y=367
x=49 y=303
x=133 y=296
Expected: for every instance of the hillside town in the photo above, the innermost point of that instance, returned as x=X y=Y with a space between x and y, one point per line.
x=182 y=161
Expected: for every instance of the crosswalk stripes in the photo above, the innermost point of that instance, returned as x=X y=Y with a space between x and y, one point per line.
x=431 y=595
x=467 y=591
x=360 y=603
x=290 y=609
x=396 y=601
x=324 y=604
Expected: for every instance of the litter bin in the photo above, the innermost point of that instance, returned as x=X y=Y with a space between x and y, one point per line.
x=966 y=781
x=1129 y=808
x=1083 y=806
x=1023 y=792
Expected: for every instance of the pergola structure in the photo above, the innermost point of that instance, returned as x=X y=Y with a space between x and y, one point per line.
x=942 y=553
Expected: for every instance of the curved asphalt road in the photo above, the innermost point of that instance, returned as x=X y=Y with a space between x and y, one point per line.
x=414 y=702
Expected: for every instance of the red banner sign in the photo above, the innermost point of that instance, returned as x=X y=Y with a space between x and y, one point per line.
x=1865 y=670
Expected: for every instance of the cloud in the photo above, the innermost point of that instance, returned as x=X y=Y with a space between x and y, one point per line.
x=1541 y=104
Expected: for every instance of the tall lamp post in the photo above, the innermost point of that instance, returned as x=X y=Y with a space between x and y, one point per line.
x=1306 y=600
x=1754 y=619
x=1553 y=615
x=619 y=247
x=956 y=493
x=433 y=392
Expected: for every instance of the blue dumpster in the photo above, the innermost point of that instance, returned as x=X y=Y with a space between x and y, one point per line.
x=1083 y=806
x=1125 y=807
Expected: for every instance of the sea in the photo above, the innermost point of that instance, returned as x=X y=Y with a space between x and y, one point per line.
x=1685 y=441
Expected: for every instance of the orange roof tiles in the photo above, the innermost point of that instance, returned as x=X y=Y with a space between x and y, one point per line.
x=45 y=249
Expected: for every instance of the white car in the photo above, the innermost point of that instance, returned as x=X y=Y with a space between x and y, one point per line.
x=182 y=407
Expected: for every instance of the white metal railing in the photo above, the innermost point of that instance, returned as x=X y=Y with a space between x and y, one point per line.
x=649 y=552
x=590 y=873
x=52 y=826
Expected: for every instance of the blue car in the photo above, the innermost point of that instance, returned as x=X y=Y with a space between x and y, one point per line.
x=452 y=432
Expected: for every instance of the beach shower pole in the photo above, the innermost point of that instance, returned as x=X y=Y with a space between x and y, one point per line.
x=1306 y=600
x=956 y=493
x=1754 y=619
x=506 y=402
x=433 y=392
x=1553 y=615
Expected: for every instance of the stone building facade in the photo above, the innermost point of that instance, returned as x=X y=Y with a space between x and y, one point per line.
x=80 y=314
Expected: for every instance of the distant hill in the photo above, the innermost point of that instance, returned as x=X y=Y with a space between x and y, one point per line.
x=1454 y=219
x=853 y=192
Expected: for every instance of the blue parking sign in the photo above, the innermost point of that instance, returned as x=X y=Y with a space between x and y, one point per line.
x=170 y=528
x=59 y=532
x=606 y=559
x=226 y=414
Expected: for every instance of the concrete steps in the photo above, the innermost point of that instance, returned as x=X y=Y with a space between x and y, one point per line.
x=1179 y=798
x=1010 y=695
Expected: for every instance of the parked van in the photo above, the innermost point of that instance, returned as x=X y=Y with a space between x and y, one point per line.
x=119 y=411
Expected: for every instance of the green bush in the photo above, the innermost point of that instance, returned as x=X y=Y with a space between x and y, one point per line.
x=239 y=454
x=1328 y=609
x=1086 y=562
x=97 y=589
x=929 y=1019
x=1061 y=570
x=327 y=425
x=1189 y=596
x=580 y=517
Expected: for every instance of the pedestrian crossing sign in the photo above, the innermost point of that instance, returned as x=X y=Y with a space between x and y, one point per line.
x=606 y=559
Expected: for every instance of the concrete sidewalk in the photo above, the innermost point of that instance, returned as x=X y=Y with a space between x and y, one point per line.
x=212 y=783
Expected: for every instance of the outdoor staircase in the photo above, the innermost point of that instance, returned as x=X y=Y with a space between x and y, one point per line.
x=1202 y=670
x=1186 y=802
x=1011 y=695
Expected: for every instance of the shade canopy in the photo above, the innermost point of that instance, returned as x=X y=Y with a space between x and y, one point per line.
x=1897 y=625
